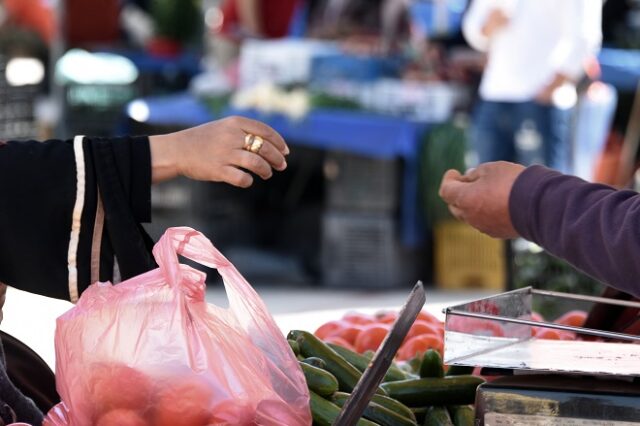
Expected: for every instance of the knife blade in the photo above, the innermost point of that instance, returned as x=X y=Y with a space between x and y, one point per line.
x=374 y=373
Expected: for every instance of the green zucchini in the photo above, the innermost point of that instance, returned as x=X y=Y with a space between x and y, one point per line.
x=311 y=346
x=395 y=406
x=431 y=365
x=454 y=390
x=318 y=380
x=437 y=416
x=325 y=412
x=361 y=362
x=462 y=415
x=376 y=412
x=315 y=361
x=294 y=346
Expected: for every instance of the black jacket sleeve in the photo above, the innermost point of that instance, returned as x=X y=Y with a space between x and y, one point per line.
x=70 y=210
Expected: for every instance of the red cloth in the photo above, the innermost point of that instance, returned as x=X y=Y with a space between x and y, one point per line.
x=275 y=17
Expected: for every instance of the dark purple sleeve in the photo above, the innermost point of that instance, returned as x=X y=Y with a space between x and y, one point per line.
x=594 y=227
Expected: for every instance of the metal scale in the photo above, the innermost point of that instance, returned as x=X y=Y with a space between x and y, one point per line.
x=542 y=382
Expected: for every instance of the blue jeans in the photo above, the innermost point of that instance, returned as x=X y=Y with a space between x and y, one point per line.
x=523 y=132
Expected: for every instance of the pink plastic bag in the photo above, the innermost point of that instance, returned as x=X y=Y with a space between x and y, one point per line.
x=150 y=351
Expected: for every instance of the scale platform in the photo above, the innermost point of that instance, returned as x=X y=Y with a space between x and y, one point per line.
x=496 y=332
x=579 y=382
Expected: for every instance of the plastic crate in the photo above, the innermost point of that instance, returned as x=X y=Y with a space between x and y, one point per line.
x=467 y=258
x=17 y=120
x=96 y=109
x=363 y=250
x=355 y=182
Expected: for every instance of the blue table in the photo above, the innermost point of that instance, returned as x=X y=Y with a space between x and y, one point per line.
x=620 y=68
x=357 y=132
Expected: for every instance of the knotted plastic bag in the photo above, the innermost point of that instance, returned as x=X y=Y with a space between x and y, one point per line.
x=150 y=351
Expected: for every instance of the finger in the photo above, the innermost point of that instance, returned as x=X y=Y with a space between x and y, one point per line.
x=451 y=186
x=236 y=177
x=265 y=132
x=274 y=157
x=251 y=162
x=457 y=212
x=470 y=175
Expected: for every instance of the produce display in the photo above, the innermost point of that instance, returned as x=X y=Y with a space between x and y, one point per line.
x=418 y=389
x=412 y=393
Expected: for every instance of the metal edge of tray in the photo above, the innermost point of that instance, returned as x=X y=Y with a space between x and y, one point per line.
x=608 y=357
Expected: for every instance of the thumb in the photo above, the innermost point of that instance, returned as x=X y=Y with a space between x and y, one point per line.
x=451 y=185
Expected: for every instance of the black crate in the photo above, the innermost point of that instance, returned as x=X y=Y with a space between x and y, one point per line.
x=355 y=182
x=363 y=250
x=96 y=109
x=17 y=120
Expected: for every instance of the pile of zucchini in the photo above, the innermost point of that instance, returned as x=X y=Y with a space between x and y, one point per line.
x=416 y=393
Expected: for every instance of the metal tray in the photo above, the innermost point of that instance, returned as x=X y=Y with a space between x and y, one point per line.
x=496 y=332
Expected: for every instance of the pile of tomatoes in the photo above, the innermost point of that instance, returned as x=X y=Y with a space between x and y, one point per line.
x=361 y=332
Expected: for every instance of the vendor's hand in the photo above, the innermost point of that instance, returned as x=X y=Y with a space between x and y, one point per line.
x=480 y=197
x=496 y=20
x=216 y=152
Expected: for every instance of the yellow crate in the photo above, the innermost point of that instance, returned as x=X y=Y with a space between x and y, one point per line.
x=466 y=258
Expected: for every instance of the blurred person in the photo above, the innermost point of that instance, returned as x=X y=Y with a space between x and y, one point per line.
x=365 y=27
x=70 y=211
x=536 y=53
x=245 y=19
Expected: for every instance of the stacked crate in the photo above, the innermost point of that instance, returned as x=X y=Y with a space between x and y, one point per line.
x=360 y=231
x=17 y=109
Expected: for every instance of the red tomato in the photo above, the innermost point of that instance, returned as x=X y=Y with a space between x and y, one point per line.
x=426 y=316
x=339 y=341
x=388 y=317
x=350 y=333
x=552 y=334
x=330 y=328
x=112 y=386
x=357 y=318
x=122 y=417
x=418 y=345
x=420 y=327
x=575 y=318
x=371 y=337
x=535 y=316
x=184 y=401
x=475 y=326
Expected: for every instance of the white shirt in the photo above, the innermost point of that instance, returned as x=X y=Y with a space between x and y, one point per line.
x=542 y=38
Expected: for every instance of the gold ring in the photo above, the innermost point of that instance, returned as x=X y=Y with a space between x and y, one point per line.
x=256 y=144
x=253 y=143
x=248 y=141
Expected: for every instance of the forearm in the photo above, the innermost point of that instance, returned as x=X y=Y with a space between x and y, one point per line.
x=163 y=157
x=594 y=227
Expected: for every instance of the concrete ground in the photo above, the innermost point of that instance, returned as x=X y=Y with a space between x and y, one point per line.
x=31 y=318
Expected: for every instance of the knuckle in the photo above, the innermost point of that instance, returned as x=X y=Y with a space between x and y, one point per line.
x=254 y=162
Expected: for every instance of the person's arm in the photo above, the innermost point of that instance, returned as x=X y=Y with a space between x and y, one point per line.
x=581 y=40
x=68 y=208
x=49 y=206
x=480 y=22
x=594 y=227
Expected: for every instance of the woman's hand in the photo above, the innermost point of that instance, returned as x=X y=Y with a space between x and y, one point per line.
x=216 y=152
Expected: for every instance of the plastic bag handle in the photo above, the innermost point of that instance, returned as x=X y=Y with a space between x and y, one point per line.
x=189 y=243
